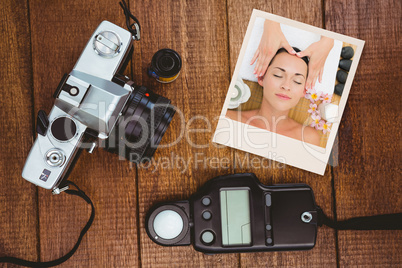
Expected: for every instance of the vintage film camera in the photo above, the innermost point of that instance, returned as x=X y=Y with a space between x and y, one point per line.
x=97 y=106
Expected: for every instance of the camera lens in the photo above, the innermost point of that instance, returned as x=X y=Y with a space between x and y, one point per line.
x=141 y=127
x=63 y=129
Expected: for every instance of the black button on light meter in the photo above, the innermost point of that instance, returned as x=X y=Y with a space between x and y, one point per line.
x=236 y=213
x=206 y=201
x=206 y=215
x=207 y=237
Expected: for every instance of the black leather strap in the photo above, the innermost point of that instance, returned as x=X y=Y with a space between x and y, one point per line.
x=376 y=222
x=131 y=26
x=62 y=259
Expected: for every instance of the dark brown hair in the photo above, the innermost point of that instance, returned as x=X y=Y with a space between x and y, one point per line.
x=305 y=58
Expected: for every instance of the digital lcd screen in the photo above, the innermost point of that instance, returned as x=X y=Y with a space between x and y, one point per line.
x=235 y=217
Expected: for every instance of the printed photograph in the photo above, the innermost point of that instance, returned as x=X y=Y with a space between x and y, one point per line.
x=289 y=82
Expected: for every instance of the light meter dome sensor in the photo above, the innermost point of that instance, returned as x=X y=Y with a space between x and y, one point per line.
x=168 y=224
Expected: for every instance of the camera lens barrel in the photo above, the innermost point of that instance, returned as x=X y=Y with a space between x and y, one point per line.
x=141 y=127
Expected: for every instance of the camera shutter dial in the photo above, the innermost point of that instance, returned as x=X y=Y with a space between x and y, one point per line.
x=107 y=44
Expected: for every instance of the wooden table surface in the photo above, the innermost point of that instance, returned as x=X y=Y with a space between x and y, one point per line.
x=42 y=40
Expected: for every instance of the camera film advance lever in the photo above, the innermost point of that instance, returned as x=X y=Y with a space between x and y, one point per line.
x=236 y=213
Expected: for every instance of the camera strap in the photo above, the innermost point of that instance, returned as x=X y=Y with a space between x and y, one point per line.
x=135 y=27
x=62 y=259
x=376 y=222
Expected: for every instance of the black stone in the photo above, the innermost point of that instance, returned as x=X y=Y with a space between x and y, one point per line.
x=339 y=89
x=345 y=64
x=347 y=52
x=341 y=76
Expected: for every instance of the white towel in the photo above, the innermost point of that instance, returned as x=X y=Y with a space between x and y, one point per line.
x=297 y=38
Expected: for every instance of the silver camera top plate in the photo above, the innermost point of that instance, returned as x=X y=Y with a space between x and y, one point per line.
x=93 y=60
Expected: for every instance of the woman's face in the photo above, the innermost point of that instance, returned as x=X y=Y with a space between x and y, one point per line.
x=284 y=81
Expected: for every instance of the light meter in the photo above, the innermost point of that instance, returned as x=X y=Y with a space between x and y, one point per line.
x=236 y=213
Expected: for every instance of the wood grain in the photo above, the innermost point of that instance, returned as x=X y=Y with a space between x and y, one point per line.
x=368 y=179
x=197 y=31
x=273 y=172
x=59 y=33
x=18 y=198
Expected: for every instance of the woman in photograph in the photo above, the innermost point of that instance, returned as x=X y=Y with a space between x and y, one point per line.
x=283 y=85
x=273 y=39
x=285 y=73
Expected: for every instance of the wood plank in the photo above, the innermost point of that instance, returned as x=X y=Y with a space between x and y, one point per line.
x=271 y=172
x=197 y=30
x=60 y=31
x=18 y=198
x=368 y=179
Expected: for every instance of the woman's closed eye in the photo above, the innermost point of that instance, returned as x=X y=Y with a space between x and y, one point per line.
x=295 y=81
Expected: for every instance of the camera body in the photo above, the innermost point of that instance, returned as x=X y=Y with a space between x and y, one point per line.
x=95 y=102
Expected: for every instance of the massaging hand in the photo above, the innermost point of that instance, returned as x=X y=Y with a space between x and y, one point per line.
x=317 y=52
x=272 y=39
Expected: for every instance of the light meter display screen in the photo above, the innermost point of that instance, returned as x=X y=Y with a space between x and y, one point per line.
x=235 y=217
